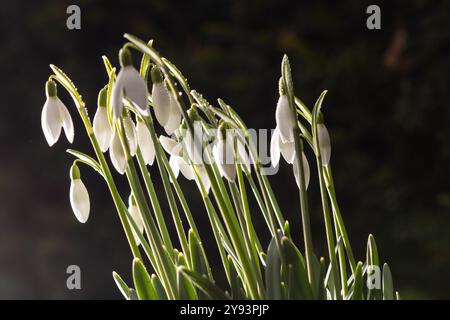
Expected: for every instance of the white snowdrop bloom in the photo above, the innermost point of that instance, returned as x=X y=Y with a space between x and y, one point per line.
x=145 y=143
x=171 y=146
x=224 y=157
x=178 y=164
x=174 y=118
x=130 y=133
x=306 y=171
x=79 y=196
x=277 y=147
x=324 y=143
x=285 y=120
x=204 y=177
x=130 y=84
x=137 y=218
x=55 y=116
x=160 y=98
x=102 y=128
x=117 y=154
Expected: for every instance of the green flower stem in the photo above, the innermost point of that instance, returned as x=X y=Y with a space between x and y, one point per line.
x=154 y=201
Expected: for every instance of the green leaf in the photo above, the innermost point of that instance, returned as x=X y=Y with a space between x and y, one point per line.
x=159 y=288
x=204 y=284
x=68 y=85
x=144 y=48
x=273 y=272
x=298 y=285
x=372 y=259
x=124 y=289
x=142 y=281
x=186 y=290
x=145 y=63
x=108 y=65
x=315 y=116
x=84 y=158
x=198 y=262
x=177 y=74
x=323 y=271
x=388 y=286
x=358 y=293
x=237 y=288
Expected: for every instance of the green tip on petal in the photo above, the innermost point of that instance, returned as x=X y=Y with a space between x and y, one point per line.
x=51 y=89
x=156 y=75
x=125 y=58
x=102 y=97
x=193 y=112
x=320 y=118
x=74 y=172
x=281 y=88
x=131 y=200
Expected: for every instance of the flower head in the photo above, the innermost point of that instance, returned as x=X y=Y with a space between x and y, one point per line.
x=145 y=142
x=160 y=97
x=278 y=147
x=117 y=154
x=285 y=120
x=79 y=196
x=102 y=129
x=324 y=143
x=55 y=116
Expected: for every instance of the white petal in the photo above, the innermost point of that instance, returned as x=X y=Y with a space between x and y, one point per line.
x=51 y=121
x=134 y=212
x=285 y=120
x=66 y=121
x=244 y=157
x=224 y=156
x=204 y=178
x=173 y=162
x=324 y=143
x=117 y=154
x=130 y=133
x=116 y=98
x=79 y=200
x=186 y=169
x=275 y=148
x=161 y=103
x=287 y=151
x=135 y=88
x=102 y=129
x=306 y=171
x=174 y=119
x=145 y=143
x=171 y=146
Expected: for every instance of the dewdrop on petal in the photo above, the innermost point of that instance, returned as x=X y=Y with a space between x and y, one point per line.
x=79 y=196
x=55 y=116
x=136 y=216
x=130 y=84
x=145 y=142
x=102 y=128
x=306 y=171
x=160 y=97
x=117 y=154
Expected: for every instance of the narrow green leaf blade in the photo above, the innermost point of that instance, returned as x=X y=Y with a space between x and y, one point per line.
x=142 y=282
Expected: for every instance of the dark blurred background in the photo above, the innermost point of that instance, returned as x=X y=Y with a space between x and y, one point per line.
x=387 y=112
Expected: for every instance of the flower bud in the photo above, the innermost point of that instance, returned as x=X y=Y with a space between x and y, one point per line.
x=79 y=196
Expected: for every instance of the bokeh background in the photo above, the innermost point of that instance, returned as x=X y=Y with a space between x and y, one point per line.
x=387 y=111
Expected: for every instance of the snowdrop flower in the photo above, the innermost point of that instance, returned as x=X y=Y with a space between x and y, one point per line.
x=129 y=83
x=117 y=154
x=174 y=119
x=102 y=129
x=161 y=98
x=285 y=120
x=137 y=218
x=55 y=116
x=145 y=142
x=79 y=196
x=130 y=134
x=176 y=161
x=224 y=155
x=277 y=147
x=306 y=171
x=324 y=143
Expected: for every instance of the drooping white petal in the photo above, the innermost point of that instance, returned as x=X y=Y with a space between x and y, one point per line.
x=130 y=133
x=192 y=144
x=185 y=169
x=116 y=99
x=287 y=151
x=66 y=120
x=174 y=118
x=51 y=120
x=134 y=88
x=161 y=103
x=171 y=146
x=134 y=212
x=275 y=147
x=285 y=119
x=306 y=171
x=173 y=162
x=102 y=129
x=324 y=143
x=204 y=178
x=79 y=200
x=145 y=143
x=117 y=154
x=224 y=156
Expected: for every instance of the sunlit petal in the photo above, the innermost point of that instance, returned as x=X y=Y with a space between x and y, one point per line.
x=161 y=103
x=117 y=154
x=285 y=120
x=51 y=120
x=145 y=143
x=79 y=200
x=102 y=129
